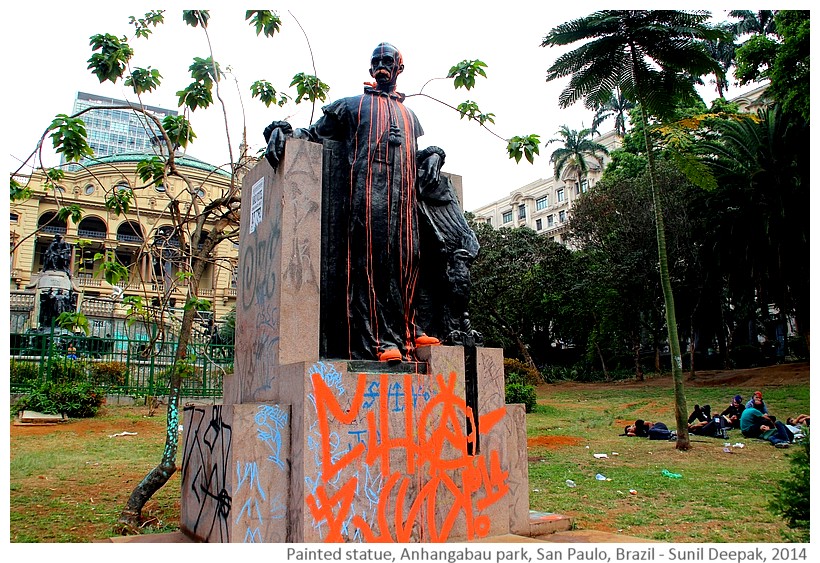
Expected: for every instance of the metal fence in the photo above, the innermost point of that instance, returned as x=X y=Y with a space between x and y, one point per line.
x=121 y=366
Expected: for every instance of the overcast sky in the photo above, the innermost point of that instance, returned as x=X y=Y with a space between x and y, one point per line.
x=46 y=54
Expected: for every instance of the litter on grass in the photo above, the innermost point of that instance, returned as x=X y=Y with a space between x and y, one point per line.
x=600 y=456
x=123 y=433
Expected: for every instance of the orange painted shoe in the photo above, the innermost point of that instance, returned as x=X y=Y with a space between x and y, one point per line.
x=425 y=340
x=390 y=355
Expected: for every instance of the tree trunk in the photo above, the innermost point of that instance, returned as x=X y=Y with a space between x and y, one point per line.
x=131 y=516
x=681 y=418
x=691 y=349
x=638 y=369
x=603 y=362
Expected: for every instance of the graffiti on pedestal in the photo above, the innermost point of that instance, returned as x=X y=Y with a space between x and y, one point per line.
x=256 y=502
x=383 y=477
x=207 y=451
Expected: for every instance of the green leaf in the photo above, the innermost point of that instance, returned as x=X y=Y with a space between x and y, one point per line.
x=196 y=95
x=73 y=211
x=526 y=147
x=196 y=17
x=69 y=320
x=152 y=18
x=143 y=80
x=151 y=170
x=198 y=304
x=465 y=72
x=112 y=60
x=18 y=191
x=265 y=21
x=120 y=201
x=309 y=87
x=70 y=138
x=179 y=130
x=265 y=91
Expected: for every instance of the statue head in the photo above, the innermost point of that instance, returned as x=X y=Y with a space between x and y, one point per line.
x=385 y=66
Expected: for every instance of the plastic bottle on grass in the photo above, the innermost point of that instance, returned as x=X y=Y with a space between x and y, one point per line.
x=667 y=473
x=570 y=483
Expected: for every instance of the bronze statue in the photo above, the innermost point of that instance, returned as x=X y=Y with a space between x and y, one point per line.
x=57 y=256
x=374 y=235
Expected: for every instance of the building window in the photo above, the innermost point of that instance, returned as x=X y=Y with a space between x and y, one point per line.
x=522 y=211
x=89 y=189
x=582 y=188
x=122 y=186
x=506 y=217
x=14 y=217
x=560 y=195
x=160 y=188
x=538 y=224
x=550 y=220
x=489 y=221
x=562 y=216
x=541 y=203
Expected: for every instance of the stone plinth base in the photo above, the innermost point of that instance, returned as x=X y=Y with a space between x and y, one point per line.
x=359 y=455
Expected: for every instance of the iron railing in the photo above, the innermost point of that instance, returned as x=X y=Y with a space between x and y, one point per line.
x=121 y=366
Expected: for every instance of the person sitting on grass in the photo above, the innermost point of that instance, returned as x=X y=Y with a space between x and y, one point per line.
x=732 y=413
x=702 y=423
x=755 y=424
x=757 y=402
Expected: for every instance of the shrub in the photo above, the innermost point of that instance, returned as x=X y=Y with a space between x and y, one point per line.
x=792 y=500
x=109 y=373
x=530 y=375
x=520 y=393
x=64 y=370
x=23 y=373
x=75 y=400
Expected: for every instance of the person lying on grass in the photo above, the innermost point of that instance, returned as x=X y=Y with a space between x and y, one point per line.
x=651 y=430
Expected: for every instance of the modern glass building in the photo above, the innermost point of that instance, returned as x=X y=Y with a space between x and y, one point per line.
x=116 y=131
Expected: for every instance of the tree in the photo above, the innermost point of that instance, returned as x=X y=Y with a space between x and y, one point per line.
x=578 y=150
x=779 y=53
x=760 y=23
x=649 y=55
x=722 y=50
x=505 y=301
x=617 y=107
x=758 y=219
x=197 y=226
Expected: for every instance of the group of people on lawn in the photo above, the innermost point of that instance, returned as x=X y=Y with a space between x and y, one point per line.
x=752 y=419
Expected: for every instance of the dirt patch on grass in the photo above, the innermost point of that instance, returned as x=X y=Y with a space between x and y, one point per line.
x=552 y=442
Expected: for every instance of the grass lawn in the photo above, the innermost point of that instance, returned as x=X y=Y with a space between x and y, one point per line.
x=68 y=483
x=720 y=496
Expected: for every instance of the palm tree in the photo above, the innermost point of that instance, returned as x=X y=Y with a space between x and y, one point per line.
x=578 y=150
x=723 y=51
x=616 y=107
x=760 y=23
x=649 y=55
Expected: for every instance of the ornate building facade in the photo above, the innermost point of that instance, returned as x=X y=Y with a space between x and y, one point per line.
x=142 y=240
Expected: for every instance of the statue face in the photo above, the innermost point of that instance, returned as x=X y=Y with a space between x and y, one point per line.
x=385 y=66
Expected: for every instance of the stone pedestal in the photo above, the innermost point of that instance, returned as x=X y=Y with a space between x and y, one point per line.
x=306 y=449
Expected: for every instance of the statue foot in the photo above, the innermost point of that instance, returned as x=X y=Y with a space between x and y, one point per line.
x=425 y=340
x=390 y=355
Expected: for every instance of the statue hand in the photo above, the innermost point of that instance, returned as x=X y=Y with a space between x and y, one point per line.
x=429 y=171
x=276 y=135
